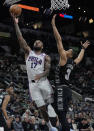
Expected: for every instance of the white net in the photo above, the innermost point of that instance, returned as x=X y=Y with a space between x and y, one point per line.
x=11 y=2
x=59 y=4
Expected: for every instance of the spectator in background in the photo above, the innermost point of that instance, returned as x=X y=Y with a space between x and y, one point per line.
x=26 y=114
x=34 y=125
x=92 y=128
x=74 y=125
x=17 y=124
x=43 y=126
x=26 y=124
x=40 y=121
x=84 y=126
x=70 y=123
x=76 y=118
x=80 y=117
x=36 y=114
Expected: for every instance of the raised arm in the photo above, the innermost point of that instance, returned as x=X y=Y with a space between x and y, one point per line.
x=58 y=39
x=81 y=54
x=22 y=42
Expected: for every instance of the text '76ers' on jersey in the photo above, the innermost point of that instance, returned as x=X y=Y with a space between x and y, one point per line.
x=34 y=65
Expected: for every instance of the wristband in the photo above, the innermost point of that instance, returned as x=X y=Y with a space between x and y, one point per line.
x=83 y=47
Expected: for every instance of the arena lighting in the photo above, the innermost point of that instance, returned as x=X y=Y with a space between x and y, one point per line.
x=91 y=21
x=84 y=11
x=37 y=25
x=79 y=8
x=66 y=16
x=5 y=34
x=29 y=7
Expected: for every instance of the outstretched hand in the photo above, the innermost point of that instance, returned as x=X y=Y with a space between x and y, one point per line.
x=53 y=19
x=86 y=44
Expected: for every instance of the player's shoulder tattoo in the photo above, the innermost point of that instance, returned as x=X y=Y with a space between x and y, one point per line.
x=48 y=58
x=47 y=62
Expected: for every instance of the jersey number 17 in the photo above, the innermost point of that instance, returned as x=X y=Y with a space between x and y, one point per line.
x=33 y=65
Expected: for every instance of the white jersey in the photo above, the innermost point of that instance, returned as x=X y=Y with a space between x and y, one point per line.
x=34 y=65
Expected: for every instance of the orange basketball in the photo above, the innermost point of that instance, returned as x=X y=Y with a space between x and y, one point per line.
x=16 y=10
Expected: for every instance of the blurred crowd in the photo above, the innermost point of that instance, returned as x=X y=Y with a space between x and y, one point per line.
x=80 y=116
x=26 y=116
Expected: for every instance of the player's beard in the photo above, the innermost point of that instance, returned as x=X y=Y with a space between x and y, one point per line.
x=37 y=48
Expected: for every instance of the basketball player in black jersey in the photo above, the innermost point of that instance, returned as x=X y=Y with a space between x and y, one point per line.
x=62 y=73
x=5 y=100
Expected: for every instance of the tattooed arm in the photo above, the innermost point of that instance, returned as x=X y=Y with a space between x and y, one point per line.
x=22 y=42
x=47 y=68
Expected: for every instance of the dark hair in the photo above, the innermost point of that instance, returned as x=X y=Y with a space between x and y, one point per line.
x=84 y=119
x=10 y=85
x=18 y=116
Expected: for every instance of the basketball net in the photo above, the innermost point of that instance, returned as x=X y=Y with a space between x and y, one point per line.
x=11 y=2
x=59 y=4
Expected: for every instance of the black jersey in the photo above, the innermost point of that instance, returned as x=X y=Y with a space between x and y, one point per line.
x=63 y=93
x=2 y=97
x=2 y=118
x=62 y=73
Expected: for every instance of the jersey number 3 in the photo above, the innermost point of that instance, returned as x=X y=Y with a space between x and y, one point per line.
x=68 y=74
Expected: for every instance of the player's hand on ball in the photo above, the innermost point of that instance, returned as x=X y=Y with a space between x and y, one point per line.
x=15 y=18
x=37 y=77
x=86 y=44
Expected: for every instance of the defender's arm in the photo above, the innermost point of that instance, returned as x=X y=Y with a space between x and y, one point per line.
x=58 y=39
x=81 y=54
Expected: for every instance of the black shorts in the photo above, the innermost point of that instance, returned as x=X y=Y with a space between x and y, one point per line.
x=53 y=121
x=63 y=96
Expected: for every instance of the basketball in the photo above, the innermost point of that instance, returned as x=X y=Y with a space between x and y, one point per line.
x=15 y=9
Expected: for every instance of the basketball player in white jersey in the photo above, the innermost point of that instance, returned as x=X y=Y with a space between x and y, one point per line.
x=38 y=66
